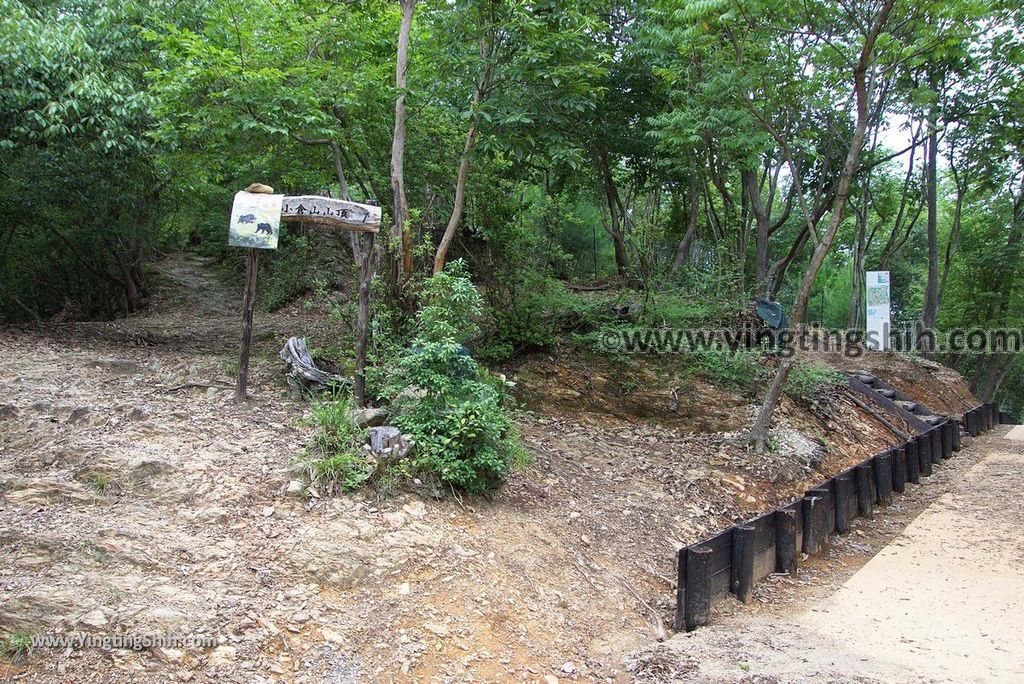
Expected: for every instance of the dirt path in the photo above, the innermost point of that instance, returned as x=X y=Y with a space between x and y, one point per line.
x=943 y=602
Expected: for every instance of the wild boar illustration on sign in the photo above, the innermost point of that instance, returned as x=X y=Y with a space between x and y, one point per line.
x=255 y=220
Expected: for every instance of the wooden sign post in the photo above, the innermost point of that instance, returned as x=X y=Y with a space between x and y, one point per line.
x=324 y=211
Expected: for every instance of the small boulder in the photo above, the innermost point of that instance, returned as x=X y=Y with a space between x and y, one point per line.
x=370 y=417
x=294 y=488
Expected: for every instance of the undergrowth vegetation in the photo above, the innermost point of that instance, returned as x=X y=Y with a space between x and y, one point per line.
x=334 y=461
x=16 y=646
x=810 y=381
x=456 y=412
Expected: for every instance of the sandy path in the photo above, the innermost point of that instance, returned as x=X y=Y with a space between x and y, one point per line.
x=944 y=602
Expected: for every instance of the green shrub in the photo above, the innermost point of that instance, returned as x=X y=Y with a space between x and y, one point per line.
x=740 y=369
x=335 y=460
x=463 y=431
x=809 y=381
x=16 y=646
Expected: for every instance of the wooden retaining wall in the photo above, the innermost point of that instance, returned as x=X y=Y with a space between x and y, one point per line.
x=734 y=560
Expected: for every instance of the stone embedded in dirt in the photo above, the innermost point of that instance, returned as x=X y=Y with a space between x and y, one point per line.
x=147 y=468
x=79 y=415
x=417 y=509
x=411 y=393
x=569 y=668
x=294 y=488
x=95 y=618
x=463 y=552
x=8 y=412
x=223 y=655
x=170 y=655
x=268 y=511
x=332 y=637
x=436 y=629
x=394 y=519
x=210 y=515
x=734 y=481
x=139 y=413
x=370 y=417
x=44 y=492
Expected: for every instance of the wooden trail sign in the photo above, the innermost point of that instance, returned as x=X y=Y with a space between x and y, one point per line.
x=251 y=209
x=330 y=212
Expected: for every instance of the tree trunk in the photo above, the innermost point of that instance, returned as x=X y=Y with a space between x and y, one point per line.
x=749 y=179
x=683 y=251
x=930 y=311
x=617 y=222
x=460 y=182
x=400 y=231
x=759 y=431
x=366 y=268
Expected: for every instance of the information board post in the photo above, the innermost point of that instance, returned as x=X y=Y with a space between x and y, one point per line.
x=878 y=322
x=256 y=217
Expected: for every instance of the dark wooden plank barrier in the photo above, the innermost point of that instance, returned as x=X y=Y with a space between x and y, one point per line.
x=813 y=510
x=846 y=500
x=947 y=439
x=765 y=554
x=680 y=622
x=913 y=462
x=890 y=405
x=924 y=453
x=742 y=578
x=865 y=491
x=899 y=469
x=827 y=522
x=786 y=538
x=719 y=564
x=883 y=478
x=697 y=610
x=735 y=559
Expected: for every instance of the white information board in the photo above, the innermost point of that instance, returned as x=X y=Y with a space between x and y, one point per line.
x=255 y=220
x=878 y=318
